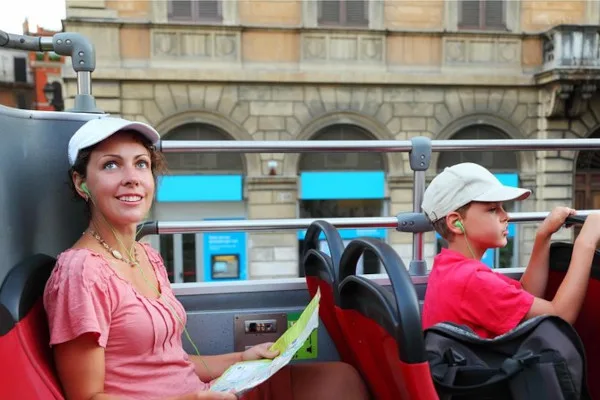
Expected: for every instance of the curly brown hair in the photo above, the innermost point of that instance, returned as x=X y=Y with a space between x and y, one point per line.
x=158 y=162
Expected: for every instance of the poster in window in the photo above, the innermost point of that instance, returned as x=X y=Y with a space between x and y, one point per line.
x=225 y=256
x=225 y=266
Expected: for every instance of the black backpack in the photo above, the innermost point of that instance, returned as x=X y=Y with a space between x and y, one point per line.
x=542 y=358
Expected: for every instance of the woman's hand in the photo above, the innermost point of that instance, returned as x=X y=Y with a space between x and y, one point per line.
x=259 y=352
x=554 y=221
x=204 y=395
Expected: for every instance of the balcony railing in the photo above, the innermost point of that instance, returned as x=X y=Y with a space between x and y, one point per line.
x=572 y=47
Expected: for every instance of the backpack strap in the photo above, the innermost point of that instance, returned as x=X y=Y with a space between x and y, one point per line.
x=529 y=384
x=466 y=335
x=445 y=374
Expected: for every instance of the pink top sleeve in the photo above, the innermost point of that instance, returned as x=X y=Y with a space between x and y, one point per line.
x=77 y=298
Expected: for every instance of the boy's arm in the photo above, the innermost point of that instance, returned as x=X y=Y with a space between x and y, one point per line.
x=535 y=277
x=571 y=292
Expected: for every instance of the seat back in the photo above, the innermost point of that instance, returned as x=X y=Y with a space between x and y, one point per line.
x=384 y=327
x=37 y=211
x=321 y=272
x=588 y=323
x=27 y=370
x=322 y=230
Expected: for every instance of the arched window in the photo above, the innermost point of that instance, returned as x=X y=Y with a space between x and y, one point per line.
x=496 y=161
x=194 y=163
x=184 y=254
x=588 y=160
x=506 y=167
x=342 y=161
x=358 y=180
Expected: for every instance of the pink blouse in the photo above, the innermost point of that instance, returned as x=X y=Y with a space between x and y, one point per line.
x=144 y=357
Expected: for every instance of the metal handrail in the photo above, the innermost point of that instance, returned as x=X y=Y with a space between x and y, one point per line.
x=361 y=146
x=171 y=227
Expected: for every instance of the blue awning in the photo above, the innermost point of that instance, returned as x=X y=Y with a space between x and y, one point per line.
x=351 y=233
x=340 y=185
x=188 y=188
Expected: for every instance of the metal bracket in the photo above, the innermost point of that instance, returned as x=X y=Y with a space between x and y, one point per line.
x=420 y=154
x=78 y=47
x=70 y=44
x=413 y=222
x=83 y=57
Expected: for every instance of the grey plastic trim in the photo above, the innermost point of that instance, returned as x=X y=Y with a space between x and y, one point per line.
x=284 y=284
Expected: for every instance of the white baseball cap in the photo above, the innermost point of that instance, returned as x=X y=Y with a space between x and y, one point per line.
x=463 y=183
x=96 y=130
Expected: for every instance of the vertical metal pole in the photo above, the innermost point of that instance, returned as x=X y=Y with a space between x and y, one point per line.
x=84 y=82
x=418 y=191
x=420 y=158
x=199 y=245
x=177 y=258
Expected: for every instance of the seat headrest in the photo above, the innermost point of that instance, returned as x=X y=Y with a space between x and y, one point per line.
x=22 y=288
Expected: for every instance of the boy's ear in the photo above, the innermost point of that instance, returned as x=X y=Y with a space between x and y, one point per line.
x=451 y=222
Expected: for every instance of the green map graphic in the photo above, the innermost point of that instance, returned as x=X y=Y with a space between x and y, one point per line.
x=310 y=348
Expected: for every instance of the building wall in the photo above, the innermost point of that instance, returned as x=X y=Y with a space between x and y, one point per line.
x=268 y=72
x=16 y=87
x=45 y=66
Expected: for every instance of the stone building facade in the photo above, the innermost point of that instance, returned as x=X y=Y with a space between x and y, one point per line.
x=390 y=70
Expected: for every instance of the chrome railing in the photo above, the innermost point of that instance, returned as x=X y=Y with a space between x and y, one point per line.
x=172 y=227
x=419 y=149
x=382 y=146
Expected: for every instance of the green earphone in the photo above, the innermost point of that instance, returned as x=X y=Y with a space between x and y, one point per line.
x=460 y=226
x=85 y=189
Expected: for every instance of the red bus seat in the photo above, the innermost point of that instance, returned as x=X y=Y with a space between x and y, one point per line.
x=27 y=370
x=321 y=271
x=588 y=321
x=383 y=327
x=318 y=267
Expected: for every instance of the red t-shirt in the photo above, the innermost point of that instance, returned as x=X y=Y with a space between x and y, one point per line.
x=468 y=292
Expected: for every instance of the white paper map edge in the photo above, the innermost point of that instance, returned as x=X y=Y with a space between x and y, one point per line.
x=243 y=376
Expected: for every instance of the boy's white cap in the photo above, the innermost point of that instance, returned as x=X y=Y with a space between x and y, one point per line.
x=96 y=130
x=463 y=183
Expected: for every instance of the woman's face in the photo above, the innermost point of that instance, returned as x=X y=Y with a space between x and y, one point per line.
x=119 y=178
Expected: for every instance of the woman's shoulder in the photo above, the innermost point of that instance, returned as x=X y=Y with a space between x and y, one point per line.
x=152 y=253
x=157 y=262
x=80 y=265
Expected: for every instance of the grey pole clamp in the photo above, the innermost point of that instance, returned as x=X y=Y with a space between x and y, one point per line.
x=413 y=223
x=420 y=154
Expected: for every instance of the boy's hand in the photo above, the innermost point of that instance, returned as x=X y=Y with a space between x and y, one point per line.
x=589 y=231
x=554 y=221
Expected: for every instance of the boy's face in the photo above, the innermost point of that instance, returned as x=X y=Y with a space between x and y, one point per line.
x=486 y=225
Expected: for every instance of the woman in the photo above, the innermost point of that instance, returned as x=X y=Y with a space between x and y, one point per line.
x=115 y=324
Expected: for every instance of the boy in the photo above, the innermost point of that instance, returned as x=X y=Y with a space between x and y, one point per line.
x=465 y=205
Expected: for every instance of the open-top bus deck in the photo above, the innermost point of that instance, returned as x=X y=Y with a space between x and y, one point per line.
x=371 y=321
